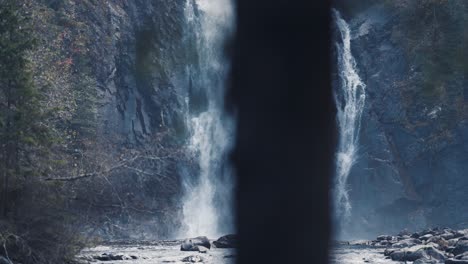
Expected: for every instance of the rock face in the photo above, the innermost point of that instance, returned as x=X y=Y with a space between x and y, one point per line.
x=414 y=132
x=228 y=241
x=195 y=244
x=117 y=77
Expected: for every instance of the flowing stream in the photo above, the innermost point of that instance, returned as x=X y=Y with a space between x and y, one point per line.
x=207 y=204
x=350 y=96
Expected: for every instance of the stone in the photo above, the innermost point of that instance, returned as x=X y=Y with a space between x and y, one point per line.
x=460 y=247
x=456 y=261
x=426 y=237
x=417 y=252
x=426 y=261
x=463 y=256
x=191 y=244
x=110 y=257
x=384 y=237
x=407 y=243
x=193 y=259
x=228 y=241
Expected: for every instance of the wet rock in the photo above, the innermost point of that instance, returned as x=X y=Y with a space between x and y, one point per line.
x=407 y=243
x=463 y=256
x=426 y=237
x=384 y=237
x=441 y=243
x=228 y=241
x=427 y=261
x=417 y=252
x=192 y=244
x=193 y=259
x=460 y=247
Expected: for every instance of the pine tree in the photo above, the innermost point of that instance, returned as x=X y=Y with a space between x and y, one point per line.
x=21 y=128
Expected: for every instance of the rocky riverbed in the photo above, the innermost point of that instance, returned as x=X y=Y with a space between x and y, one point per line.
x=194 y=250
x=431 y=246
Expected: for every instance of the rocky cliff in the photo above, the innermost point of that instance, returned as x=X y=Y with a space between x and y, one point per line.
x=115 y=75
x=412 y=166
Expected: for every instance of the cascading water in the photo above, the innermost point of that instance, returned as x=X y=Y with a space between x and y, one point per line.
x=207 y=204
x=350 y=96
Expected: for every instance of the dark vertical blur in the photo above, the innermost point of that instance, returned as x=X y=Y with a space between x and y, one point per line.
x=284 y=152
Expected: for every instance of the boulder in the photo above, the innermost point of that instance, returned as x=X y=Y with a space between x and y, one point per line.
x=426 y=237
x=191 y=244
x=384 y=237
x=407 y=243
x=441 y=243
x=460 y=247
x=427 y=261
x=456 y=261
x=192 y=259
x=417 y=252
x=463 y=256
x=228 y=241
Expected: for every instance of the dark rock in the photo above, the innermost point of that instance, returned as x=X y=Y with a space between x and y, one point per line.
x=192 y=244
x=463 y=256
x=228 y=241
x=460 y=247
x=441 y=243
x=447 y=235
x=407 y=243
x=426 y=237
x=110 y=257
x=417 y=252
x=426 y=261
x=384 y=237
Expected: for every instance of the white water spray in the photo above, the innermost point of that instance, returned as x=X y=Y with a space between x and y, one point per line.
x=350 y=98
x=207 y=205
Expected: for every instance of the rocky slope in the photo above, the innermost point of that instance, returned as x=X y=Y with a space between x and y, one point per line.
x=411 y=171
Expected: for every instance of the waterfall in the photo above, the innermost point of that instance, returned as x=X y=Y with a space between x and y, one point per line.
x=207 y=203
x=350 y=99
